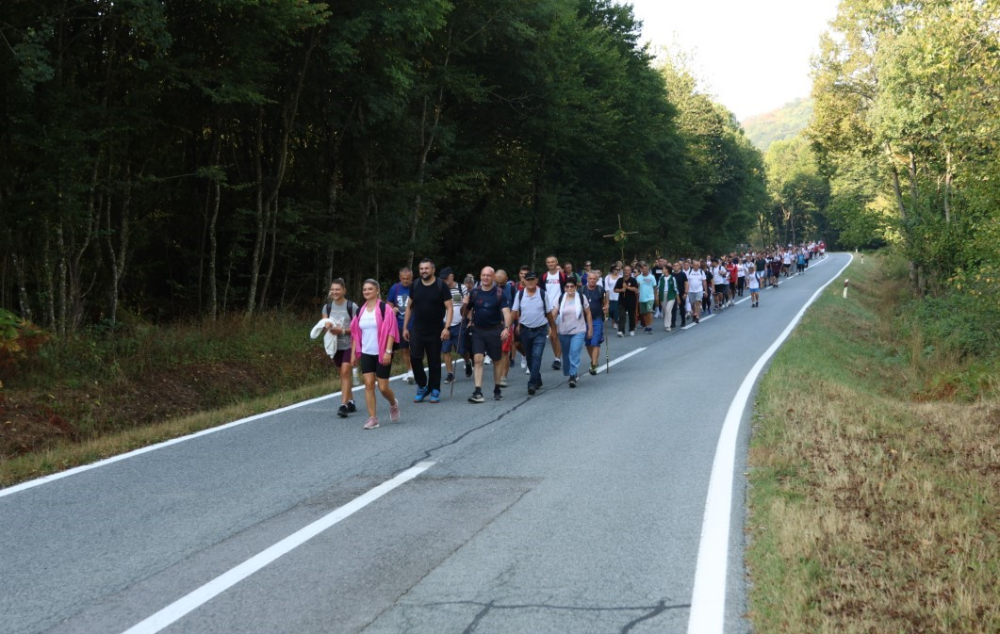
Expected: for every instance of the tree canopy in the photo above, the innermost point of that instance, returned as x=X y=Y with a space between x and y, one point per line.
x=195 y=157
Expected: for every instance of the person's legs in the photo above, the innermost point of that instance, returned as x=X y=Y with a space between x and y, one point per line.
x=432 y=346
x=575 y=348
x=564 y=343
x=369 y=378
x=417 y=360
x=668 y=314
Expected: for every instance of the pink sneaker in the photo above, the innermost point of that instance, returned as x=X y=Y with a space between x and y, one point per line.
x=394 y=412
x=372 y=423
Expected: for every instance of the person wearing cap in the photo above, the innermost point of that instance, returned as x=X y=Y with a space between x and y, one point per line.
x=532 y=311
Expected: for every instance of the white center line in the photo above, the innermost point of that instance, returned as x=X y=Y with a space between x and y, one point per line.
x=223 y=582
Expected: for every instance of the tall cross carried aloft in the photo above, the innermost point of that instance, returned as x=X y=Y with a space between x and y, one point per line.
x=621 y=236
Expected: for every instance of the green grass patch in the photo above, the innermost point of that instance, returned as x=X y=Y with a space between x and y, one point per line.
x=874 y=473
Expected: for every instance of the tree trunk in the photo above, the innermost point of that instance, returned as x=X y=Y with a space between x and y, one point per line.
x=270 y=264
x=258 y=210
x=213 y=238
x=948 y=176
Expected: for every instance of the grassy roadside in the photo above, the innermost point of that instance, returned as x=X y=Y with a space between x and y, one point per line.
x=105 y=393
x=66 y=455
x=874 y=474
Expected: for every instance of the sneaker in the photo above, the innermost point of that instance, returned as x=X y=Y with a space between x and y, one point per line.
x=503 y=382
x=593 y=369
x=557 y=365
x=524 y=362
x=351 y=407
x=477 y=397
x=420 y=395
x=572 y=381
x=450 y=378
x=393 y=413
x=342 y=410
x=497 y=394
x=371 y=423
x=631 y=333
x=696 y=319
x=468 y=370
x=527 y=371
x=409 y=378
x=434 y=397
x=667 y=329
x=487 y=360
x=531 y=390
x=620 y=334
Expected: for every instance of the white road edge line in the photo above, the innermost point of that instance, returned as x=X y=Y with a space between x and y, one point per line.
x=708 y=599
x=223 y=582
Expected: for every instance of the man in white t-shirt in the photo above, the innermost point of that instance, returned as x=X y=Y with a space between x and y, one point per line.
x=696 y=289
x=553 y=281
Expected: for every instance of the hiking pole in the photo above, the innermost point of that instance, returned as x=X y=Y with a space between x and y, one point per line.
x=454 y=365
x=607 y=350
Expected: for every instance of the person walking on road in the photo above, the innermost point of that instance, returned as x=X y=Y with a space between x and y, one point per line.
x=697 y=287
x=609 y=285
x=575 y=327
x=666 y=296
x=491 y=319
x=373 y=332
x=628 y=302
x=534 y=319
x=453 y=344
x=553 y=281
x=338 y=313
x=753 y=285
x=399 y=294
x=597 y=299
x=425 y=327
x=647 y=293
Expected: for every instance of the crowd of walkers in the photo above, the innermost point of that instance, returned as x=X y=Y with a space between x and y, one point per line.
x=491 y=320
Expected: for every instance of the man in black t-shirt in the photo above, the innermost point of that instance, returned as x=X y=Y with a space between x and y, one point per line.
x=628 y=302
x=682 y=289
x=425 y=326
x=491 y=320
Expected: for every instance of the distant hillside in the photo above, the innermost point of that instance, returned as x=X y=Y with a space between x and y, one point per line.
x=778 y=125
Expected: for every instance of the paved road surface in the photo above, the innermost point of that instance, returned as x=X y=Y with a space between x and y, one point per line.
x=571 y=511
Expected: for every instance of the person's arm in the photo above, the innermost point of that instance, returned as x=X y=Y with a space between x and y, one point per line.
x=449 y=310
x=588 y=317
x=406 y=321
x=506 y=323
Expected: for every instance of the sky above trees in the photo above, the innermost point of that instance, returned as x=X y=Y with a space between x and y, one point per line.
x=753 y=56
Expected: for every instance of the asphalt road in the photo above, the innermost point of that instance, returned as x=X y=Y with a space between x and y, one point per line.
x=571 y=511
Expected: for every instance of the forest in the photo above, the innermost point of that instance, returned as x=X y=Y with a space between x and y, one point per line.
x=196 y=158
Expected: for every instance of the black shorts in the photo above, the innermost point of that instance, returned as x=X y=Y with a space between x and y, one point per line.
x=487 y=342
x=370 y=364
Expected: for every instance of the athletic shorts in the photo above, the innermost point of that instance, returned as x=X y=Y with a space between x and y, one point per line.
x=454 y=343
x=694 y=297
x=370 y=364
x=598 y=338
x=341 y=357
x=722 y=289
x=487 y=342
x=645 y=307
x=402 y=344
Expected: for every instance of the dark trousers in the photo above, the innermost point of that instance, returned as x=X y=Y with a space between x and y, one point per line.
x=678 y=309
x=533 y=344
x=626 y=316
x=431 y=345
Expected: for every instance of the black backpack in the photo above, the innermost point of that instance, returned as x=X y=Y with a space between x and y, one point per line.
x=540 y=289
x=351 y=307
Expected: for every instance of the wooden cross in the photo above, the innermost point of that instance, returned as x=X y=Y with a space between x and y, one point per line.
x=621 y=236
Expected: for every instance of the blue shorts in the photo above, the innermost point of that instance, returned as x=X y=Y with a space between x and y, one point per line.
x=598 y=337
x=453 y=343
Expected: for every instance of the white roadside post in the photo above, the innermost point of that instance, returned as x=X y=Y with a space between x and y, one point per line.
x=847 y=284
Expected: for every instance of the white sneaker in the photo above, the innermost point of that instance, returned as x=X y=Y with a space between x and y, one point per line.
x=620 y=334
x=487 y=361
x=527 y=370
x=409 y=378
x=524 y=362
x=631 y=334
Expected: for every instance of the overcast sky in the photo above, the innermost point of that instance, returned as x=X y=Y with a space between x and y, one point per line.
x=752 y=55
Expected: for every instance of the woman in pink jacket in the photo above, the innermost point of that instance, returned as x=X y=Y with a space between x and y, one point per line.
x=373 y=331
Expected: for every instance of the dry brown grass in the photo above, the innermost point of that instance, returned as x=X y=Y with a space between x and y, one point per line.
x=871 y=511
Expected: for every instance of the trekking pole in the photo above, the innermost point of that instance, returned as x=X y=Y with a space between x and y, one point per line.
x=607 y=351
x=454 y=365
